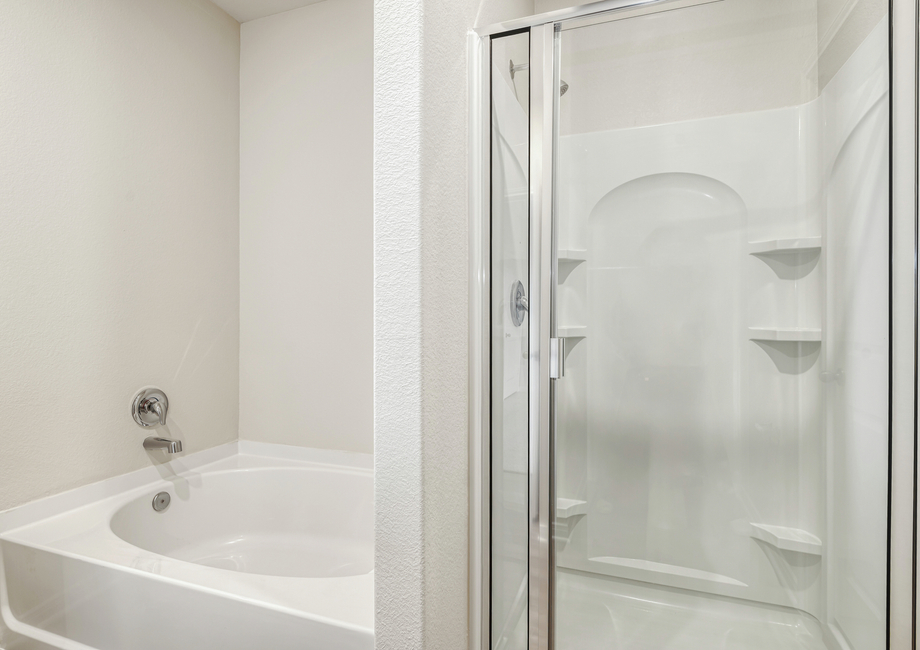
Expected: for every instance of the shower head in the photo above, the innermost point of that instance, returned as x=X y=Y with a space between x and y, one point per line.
x=563 y=86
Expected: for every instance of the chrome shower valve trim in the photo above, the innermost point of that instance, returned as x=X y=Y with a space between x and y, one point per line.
x=149 y=407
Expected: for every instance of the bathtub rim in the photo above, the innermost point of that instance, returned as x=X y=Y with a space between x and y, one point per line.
x=55 y=504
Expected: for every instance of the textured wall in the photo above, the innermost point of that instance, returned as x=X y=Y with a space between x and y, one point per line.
x=306 y=227
x=119 y=237
x=399 y=540
x=420 y=317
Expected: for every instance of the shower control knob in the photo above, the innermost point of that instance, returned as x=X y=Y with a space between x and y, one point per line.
x=149 y=407
x=519 y=305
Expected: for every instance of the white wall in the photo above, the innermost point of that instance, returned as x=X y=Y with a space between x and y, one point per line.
x=842 y=26
x=420 y=317
x=119 y=233
x=306 y=228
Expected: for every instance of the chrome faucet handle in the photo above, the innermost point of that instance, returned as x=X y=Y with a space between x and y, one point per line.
x=149 y=407
x=157 y=408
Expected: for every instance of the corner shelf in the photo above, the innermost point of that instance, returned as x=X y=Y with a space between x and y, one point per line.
x=669 y=574
x=568 y=513
x=571 y=331
x=567 y=508
x=788 y=539
x=784 y=334
x=571 y=256
x=785 y=246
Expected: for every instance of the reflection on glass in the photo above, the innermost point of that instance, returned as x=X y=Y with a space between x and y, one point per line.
x=722 y=429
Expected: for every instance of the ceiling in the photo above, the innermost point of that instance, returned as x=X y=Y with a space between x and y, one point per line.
x=245 y=10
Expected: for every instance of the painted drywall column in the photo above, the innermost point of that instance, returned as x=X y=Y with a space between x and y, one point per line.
x=119 y=234
x=306 y=277
x=420 y=318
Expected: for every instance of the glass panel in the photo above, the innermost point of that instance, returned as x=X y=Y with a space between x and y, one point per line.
x=510 y=261
x=722 y=428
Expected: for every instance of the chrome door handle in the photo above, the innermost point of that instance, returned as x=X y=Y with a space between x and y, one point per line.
x=556 y=358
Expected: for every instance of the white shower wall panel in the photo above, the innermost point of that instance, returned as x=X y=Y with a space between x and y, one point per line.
x=690 y=431
x=693 y=432
x=856 y=115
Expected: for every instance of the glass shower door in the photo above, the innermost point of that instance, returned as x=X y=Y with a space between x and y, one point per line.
x=721 y=430
x=510 y=259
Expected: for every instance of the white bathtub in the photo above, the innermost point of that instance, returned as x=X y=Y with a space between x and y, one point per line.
x=267 y=548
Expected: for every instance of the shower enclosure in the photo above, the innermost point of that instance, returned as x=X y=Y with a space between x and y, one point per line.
x=694 y=326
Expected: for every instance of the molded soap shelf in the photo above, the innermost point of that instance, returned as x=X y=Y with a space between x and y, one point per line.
x=791 y=334
x=571 y=256
x=566 y=508
x=568 y=513
x=636 y=567
x=785 y=246
x=572 y=331
x=787 y=539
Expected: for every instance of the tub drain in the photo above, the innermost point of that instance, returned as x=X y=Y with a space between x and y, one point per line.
x=161 y=501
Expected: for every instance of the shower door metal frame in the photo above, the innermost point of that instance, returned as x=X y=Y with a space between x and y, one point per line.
x=903 y=306
x=542 y=282
x=904 y=391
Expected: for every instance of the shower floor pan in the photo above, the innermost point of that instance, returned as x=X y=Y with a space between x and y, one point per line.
x=614 y=614
x=261 y=546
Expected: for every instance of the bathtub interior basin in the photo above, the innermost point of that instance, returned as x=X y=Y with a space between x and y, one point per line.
x=262 y=545
x=292 y=522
